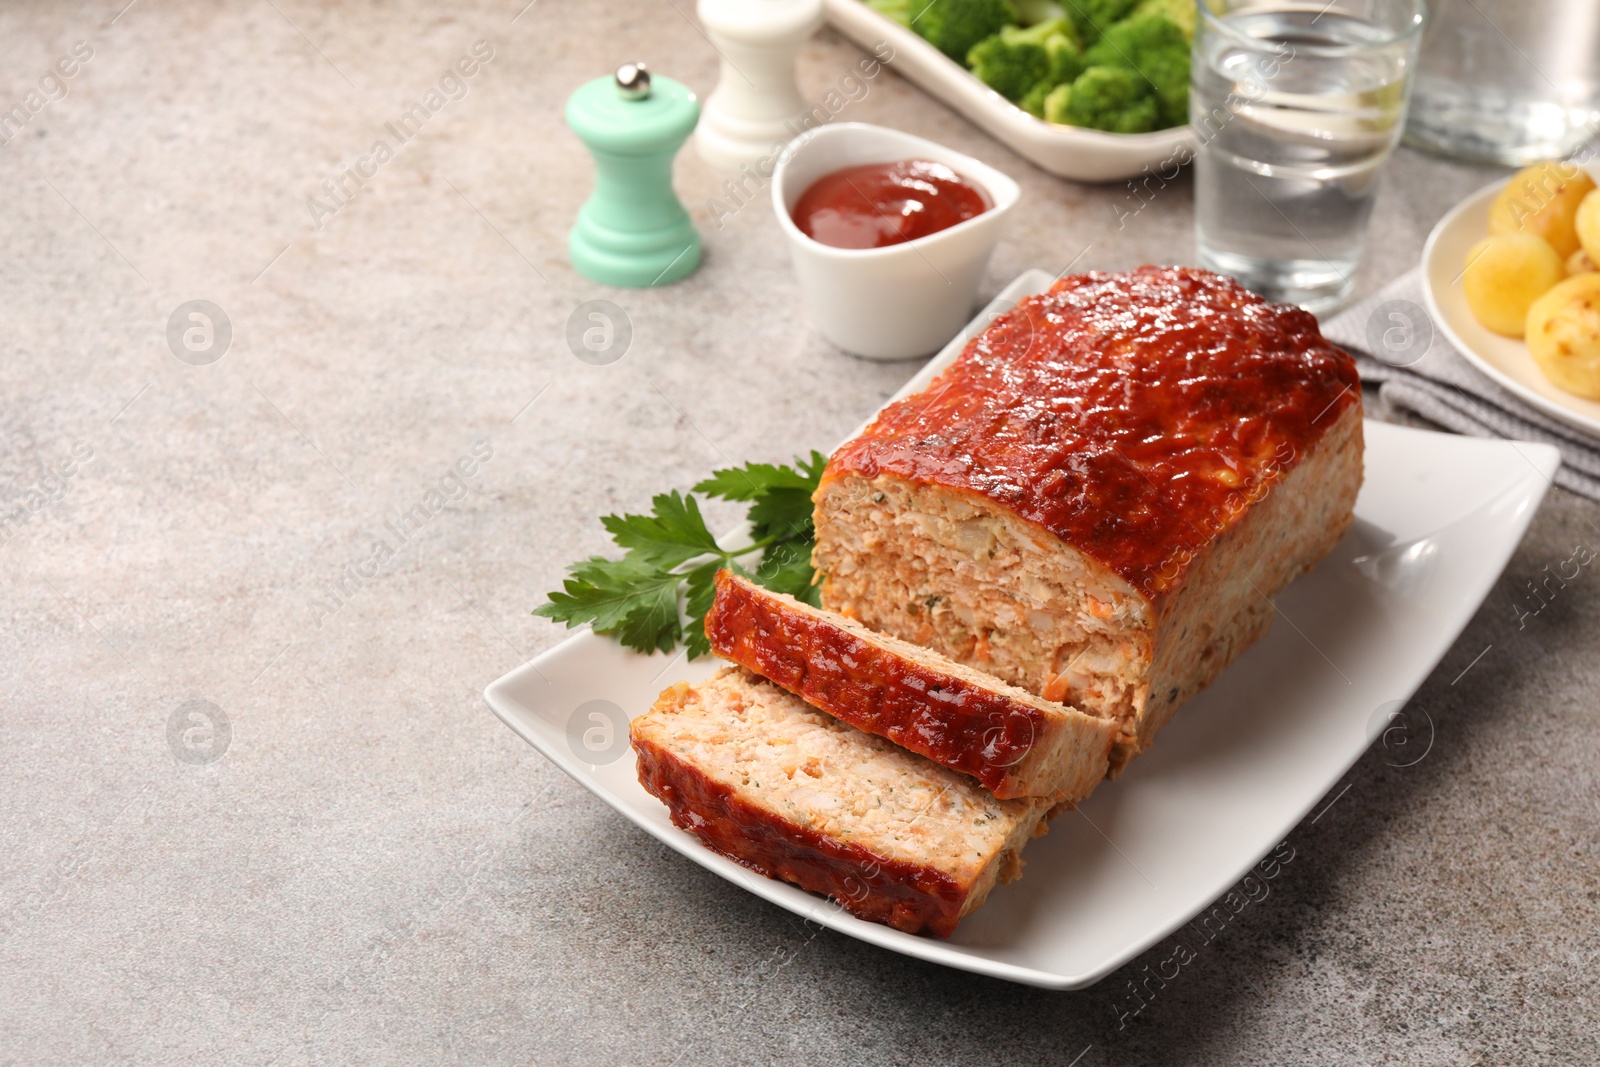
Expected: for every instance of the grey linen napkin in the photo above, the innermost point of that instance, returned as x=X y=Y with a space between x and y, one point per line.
x=1423 y=374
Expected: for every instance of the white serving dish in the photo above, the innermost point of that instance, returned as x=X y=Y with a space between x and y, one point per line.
x=906 y=300
x=1505 y=359
x=1066 y=151
x=1227 y=780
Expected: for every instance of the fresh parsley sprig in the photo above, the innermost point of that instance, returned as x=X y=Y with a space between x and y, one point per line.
x=658 y=593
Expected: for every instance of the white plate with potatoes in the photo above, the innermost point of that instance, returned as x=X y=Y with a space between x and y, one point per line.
x=1513 y=309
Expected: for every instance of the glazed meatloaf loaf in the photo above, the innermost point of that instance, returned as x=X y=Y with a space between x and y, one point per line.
x=1015 y=743
x=765 y=779
x=1097 y=500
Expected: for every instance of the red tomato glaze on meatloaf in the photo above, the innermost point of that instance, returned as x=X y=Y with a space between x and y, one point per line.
x=903 y=895
x=1010 y=740
x=1133 y=415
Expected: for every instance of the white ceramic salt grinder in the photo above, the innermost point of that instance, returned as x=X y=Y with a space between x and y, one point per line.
x=756 y=108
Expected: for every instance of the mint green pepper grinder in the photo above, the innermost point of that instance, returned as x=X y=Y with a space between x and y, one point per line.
x=633 y=231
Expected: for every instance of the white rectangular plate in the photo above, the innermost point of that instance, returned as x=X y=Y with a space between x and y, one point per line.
x=1065 y=151
x=1233 y=773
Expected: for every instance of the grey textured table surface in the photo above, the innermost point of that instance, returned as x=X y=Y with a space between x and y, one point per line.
x=376 y=870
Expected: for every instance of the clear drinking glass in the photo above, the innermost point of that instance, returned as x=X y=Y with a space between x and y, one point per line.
x=1507 y=81
x=1295 y=107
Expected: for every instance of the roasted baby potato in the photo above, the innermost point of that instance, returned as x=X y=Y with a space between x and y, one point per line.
x=1564 y=335
x=1587 y=222
x=1505 y=274
x=1543 y=200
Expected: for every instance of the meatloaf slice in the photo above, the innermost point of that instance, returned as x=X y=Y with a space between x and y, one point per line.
x=1097 y=500
x=1012 y=741
x=765 y=779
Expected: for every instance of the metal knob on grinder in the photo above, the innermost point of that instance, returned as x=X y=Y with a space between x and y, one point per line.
x=633 y=81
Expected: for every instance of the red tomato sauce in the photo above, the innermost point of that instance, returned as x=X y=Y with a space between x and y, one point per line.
x=880 y=204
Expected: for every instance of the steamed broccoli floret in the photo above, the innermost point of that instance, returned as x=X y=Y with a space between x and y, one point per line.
x=1126 y=43
x=1154 y=47
x=1105 y=98
x=1006 y=65
x=1032 y=12
x=1015 y=60
x=1066 y=63
x=1051 y=30
x=1181 y=12
x=1033 y=100
x=899 y=10
x=954 y=26
x=1169 y=72
x=1066 y=60
x=1094 y=17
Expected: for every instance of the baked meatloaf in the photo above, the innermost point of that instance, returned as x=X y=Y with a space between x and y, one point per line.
x=1015 y=743
x=1097 y=500
x=765 y=779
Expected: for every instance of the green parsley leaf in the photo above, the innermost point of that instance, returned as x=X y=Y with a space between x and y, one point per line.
x=675 y=533
x=781 y=513
x=786 y=568
x=624 y=596
x=757 y=479
x=653 y=624
x=702 y=588
x=670 y=558
x=780 y=495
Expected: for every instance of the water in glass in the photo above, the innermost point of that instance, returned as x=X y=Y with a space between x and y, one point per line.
x=1295 y=109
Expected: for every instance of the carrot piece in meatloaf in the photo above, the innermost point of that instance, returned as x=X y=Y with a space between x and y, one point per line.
x=1097 y=499
x=1015 y=743
x=763 y=778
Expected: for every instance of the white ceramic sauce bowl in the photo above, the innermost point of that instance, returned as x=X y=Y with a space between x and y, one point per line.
x=905 y=300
